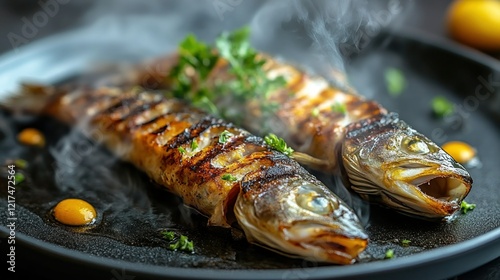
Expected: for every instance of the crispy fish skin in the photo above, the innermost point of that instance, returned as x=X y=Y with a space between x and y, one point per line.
x=275 y=201
x=314 y=118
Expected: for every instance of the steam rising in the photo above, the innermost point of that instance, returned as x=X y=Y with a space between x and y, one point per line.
x=317 y=35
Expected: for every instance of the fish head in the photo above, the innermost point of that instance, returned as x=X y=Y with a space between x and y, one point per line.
x=302 y=218
x=386 y=161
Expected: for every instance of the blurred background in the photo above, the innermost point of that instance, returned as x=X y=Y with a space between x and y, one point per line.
x=25 y=22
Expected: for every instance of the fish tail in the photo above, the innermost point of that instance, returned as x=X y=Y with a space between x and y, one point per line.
x=30 y=99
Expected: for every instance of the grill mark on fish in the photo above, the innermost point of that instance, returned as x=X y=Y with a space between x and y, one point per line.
x=146 y=123
x=163 y=124
x=128 y=119
x=161 y=129
x=140 y=109
x=270 y=173
x=120 y=103
x=171 y=108
x=192 y=132
x=216 y=149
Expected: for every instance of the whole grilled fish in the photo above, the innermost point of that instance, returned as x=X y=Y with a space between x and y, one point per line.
x=224 y=172
x=379 y=156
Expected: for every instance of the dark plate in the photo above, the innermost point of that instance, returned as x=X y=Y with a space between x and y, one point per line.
x=126 y=241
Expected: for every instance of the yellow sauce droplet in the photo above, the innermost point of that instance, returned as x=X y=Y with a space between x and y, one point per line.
x=31 y=137
x=74 y=212
x=460 y=151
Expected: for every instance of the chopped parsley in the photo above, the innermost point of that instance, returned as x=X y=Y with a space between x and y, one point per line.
x=315 y=112
x=196 y=61
x=465 y=207
x=180 y=243
x=339 y=108
x=194 y=145
x=168 y=235
x=229 y=177
x=441 y=106
x=19 y=178
x=405 y=242
x=395 y=81
x=224 y=136
x=248 y=82
x=181 y=150
x=20 y=163
x=278 y=144
x=389 y=254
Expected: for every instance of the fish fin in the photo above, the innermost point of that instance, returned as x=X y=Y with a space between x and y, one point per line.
x=312 y=162
x=32 y=99
x=217 y=219
x=223 y=215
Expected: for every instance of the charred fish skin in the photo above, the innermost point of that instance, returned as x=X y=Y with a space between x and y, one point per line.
x=236 y=180
x=313 y=117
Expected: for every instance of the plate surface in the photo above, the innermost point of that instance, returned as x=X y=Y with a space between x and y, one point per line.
x=126 y=240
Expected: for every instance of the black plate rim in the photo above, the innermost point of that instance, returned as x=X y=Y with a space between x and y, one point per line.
x=468 y=253
x=444 y=44
x=438 y=256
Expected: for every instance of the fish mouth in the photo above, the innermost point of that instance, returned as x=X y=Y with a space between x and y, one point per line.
x=429 y=190
x=447 y=189
x=324 y=244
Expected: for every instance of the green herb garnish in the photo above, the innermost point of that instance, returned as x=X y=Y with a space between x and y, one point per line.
x=389 y=254
x=465 y=207
x=194 y=145
x=395 y=81
x=181 y=243
x=251 y=81
x=339 y=108
x=278 y=144
x=248 y=80
x=224 y=136
x=441 y=106
x=405 y=242
x=181 y=150
x=196 y=61
x=168 y=235
x=229 y=177
x=19 y=178
x=20 y=163
x=315 y=112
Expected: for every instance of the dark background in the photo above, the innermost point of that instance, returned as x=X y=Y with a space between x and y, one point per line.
x=427 y=16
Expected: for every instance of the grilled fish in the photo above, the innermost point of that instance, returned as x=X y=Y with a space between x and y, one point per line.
x=379 y=156
x=226 y=173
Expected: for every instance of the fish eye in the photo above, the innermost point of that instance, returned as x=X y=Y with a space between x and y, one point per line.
x=313 y=201
x=415 y=145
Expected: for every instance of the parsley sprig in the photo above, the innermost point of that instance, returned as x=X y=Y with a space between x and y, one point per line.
x=229 y=178
x=278 y=144
x=466 y=207
x=339 y=108
x=189 y=75
x=224 y=136
x=389 y=254
x=405 y=242
x=180 y=243
x=248 y=81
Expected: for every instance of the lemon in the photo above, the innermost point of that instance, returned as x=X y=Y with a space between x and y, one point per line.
x=475 y=23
